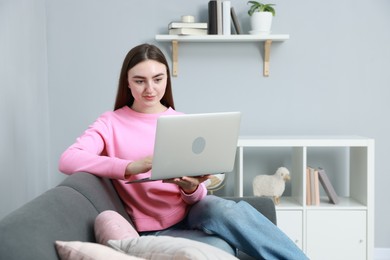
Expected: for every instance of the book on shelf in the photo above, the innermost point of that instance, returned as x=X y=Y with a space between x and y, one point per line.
x=328 y=187
x=219 y=17
x=312 y=190
x=312 y=187
x=187 y=31
x=212 y=15
x=236 y=23
x=308 y=189
x=195 y=25
x=226 y=18
x=316 y=188
x=315 y=178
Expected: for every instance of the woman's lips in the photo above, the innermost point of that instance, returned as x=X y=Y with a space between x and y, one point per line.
x=149 y=97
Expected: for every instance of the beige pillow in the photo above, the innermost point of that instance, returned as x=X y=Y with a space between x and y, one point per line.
x=165 y=247
x=76 y=250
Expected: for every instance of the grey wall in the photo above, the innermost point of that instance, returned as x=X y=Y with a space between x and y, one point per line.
x=331 y=77
x=24 y=111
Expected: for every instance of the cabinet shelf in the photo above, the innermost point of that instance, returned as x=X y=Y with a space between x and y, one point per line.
x=267 y=39
x=345 y=203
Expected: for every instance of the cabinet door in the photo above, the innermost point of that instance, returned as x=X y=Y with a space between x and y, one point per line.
x=290 y=222
x=336 y=235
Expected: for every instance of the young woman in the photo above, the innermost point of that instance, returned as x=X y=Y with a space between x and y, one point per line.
x=119 y=145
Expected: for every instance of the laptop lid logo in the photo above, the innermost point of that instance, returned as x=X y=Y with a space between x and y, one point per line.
x=198 y=145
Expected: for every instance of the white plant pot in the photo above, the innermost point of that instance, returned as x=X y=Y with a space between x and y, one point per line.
x=261 y=23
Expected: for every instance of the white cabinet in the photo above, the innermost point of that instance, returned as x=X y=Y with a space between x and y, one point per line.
x=325 y=231
x=336 y=235
x=291 y=223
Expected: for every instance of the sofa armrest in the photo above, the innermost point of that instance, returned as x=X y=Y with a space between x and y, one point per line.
x=59 y=214
x=264 y=205
x=66 y=212
x=99 y=191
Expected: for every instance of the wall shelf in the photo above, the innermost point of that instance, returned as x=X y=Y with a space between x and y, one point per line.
x=267 y=39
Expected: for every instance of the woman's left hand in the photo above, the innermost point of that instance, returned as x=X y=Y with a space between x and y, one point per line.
x=188 y=184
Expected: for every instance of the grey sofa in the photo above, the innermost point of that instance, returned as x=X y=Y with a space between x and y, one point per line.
x=67 y=212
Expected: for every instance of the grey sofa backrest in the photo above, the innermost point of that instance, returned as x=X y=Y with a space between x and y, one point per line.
x=66 y=212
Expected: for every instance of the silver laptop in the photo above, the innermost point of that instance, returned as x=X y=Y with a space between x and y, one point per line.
x=194 y=144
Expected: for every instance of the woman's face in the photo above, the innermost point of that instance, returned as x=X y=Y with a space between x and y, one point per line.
x=147 y=82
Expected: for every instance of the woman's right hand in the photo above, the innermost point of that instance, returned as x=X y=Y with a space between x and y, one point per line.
x=140 y=166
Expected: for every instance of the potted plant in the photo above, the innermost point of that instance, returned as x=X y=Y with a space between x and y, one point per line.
x=261 y=17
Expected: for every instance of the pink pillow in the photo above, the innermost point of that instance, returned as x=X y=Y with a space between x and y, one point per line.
x=110 y=225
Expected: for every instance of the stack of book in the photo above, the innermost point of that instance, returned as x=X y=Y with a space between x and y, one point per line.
x=187 y=27
x=315 y=177
x=219 y=12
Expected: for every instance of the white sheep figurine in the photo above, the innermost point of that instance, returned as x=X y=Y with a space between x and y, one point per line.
x=271 y=185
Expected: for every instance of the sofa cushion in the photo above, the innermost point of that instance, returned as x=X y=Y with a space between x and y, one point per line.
x=110 y=225
x=77 y=250
x=166 y=247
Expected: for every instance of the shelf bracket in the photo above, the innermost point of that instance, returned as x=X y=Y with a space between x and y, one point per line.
x=267 y=50
x=175 y=57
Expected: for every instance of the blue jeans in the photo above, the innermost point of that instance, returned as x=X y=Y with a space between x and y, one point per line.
x=237 y=223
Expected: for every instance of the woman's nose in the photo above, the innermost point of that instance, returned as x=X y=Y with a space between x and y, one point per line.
x=149 y=85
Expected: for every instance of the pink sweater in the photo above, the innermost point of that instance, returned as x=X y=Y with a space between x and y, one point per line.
x=105 y=149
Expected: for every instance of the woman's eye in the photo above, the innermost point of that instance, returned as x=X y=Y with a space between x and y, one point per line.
x=157 y=80
x=139 y=81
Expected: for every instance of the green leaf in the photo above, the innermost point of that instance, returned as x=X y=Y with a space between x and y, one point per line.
x=260 y=7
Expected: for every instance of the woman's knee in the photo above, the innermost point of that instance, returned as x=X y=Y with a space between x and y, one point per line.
x=211 y=207
x=201 y=236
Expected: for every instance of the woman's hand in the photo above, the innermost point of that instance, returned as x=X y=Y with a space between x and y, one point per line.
x=140 y=166
x=188 y=184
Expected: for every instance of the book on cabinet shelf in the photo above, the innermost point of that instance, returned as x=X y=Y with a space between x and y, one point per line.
x=312 y=187
x=328 y=187
x=315 y=177
x=308 y=189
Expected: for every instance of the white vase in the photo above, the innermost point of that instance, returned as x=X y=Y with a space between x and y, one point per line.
x=261 y=23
